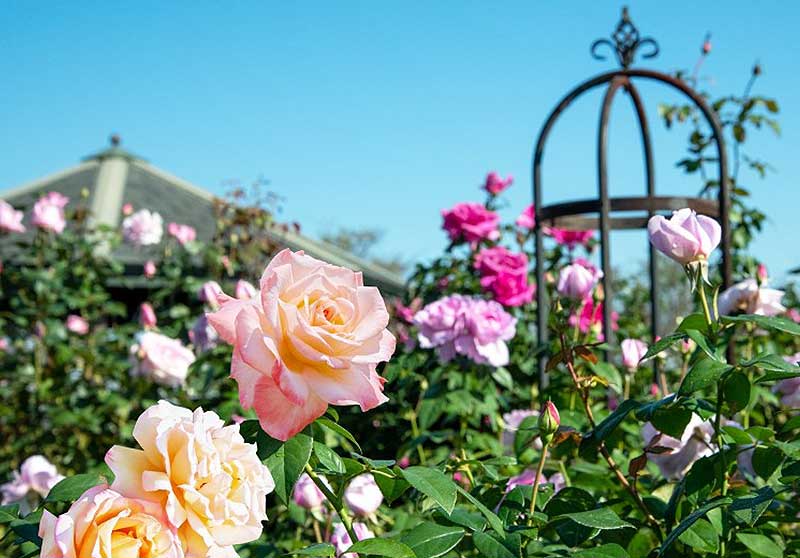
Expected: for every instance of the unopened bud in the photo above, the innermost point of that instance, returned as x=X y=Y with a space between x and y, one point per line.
x=549 y=421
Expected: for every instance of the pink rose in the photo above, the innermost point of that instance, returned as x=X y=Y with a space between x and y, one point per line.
x=473 y=327
x=577 y=282
x=77 y=325
x=505 y=275
x=104 y=524
x=527 y=219
x=34 y=480
x=147 y=316
x=149 y=269
x=794 y=315
x=632 y=352
x=306 y=494
x=210 y=293
x=494 y=184
x=163 y=360
x=48 y=212
x=471 y=222
x=143 y=228
x=182 y=233
x=695 y=442
x=591 y=318
x=127 y=209
x=340 y=539
x=569 y=238
x=789 y=389
x=10 y=218
x=362 y=495
x=685 y=237
x=244 y=289
x=313 y=338
x=525 y=478
x=748 y=297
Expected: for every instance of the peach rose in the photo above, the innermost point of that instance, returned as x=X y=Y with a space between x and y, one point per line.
x=211 y=483
x=313 y=337
x=104 y=524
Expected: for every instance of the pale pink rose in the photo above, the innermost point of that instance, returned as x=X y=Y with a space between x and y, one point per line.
x=577 y=282
x=161 y=359
x=127 y=209
x=313 y=338
x=149 y=269
x=495 y=184
x=794 y=315
x=569 y=238
x=525 y=478
x=306 y=494
x=471 y=222
x=35 y=478
x=695 y=442
x=77 y=324
x=147 y=316
x=202 y=335
x=748 y=297
x=632 y=352
x=511 y=423
x=789 y=389
x=209 y=481
x=527 y=219
x=340 y=539
x=48 y=212
x=362 y=495
x=209 y=293
x=143 y=228
x=244 y=289
x=469 y=326
x=10 y=218
x=182 y=233
x=505 y=274
x=685 y=237
x=105 y=524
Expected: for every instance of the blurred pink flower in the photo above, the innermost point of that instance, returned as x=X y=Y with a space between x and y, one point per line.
x=748 y=297
x=244 y=290
x=147 y=316
x=362 y=495
x=695 y=442
x=203 y=335
x=182 y=233
x=762 y=274
x=789 y=389
x=404 y=462
x=577 y=282
x=794 y=315
x=632 y=352
x=127 y=209
x=567 y=237
x=525 y=478
x=143 y=228
x=10 y=218
x=149 y=269
x=77 y=324
x=161 y=359
x=210 y=293
x=591 y=318
x=527 y=219
x=505 y=275
x=36 y=476
x=471 y=222
x=495 y=184
x=406 y=313
x=685 y=237
x=306 y=494
x=48 y=212
x=340 y=539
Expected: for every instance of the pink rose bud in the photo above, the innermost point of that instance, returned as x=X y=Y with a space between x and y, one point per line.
x=654 y=389
x=632 y=352
x=762 y=274
x=127 y=209
x=577 y=282
x=149 y=268
x=244 y=290
x=794 y=315
x=48 y=212
x=686 y=237
x=182 y=233
x=147 y=316
x=306 y=494
x=404 y=462
x=549 y=421
x=706 y=46
x=461 y=479
x=209 y=293
x=362 y=495
x=10 y=218
x=526 y=219
x=77 y=325
x=226 y=263
x=495 y=185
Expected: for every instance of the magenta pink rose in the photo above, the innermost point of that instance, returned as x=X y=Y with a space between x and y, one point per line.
x=495 y=184
x=685 y=237
x=527 y=219
x=77 y=324
x=147 y=316
x=10 y=218
x=182 y=233
x=471 y=222
x=569 y=238
x=505 y=275
x=313 y=338
x=48 y=212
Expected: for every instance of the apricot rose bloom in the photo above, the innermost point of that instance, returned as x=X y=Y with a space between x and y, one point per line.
x=210 y=483
x=104 y=524
x=312 y=338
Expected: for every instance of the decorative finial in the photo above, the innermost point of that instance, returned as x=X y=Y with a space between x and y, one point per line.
x=626 y=42
x=115 y=140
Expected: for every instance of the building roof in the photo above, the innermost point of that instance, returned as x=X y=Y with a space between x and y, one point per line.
x=114 y=177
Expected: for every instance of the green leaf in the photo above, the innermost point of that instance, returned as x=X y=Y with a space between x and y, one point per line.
x=600 y=518
x=703 y=374
x=748 y=509
x=382 y=547
x=433 y=484
x=570 y=500
x=489 y=547
x=701 y=536
x=663 y=344
x=671 y=421
x=432 y=540
x=490 y=516
x=71 y=488
x=702 y=342
x=778 y=323
x=690 y=520
x=592 y=440
x=737 y=435
x=392 y=488
x=695 y=321
x=526 y=432
x=503 y=377
x=340 y=430
x=287 y=463
x=760 y=545
x=766 y=460
x=9 y=513
x=329 y=458
x=736 y=390
x=319 y=549
x=610 y=550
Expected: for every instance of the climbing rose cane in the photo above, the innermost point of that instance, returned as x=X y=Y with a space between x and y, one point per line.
x=313 y=338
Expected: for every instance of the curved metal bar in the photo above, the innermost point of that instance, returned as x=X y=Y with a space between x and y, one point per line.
x=630 y=203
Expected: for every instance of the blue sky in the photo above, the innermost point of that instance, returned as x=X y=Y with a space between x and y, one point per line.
x=379 y=114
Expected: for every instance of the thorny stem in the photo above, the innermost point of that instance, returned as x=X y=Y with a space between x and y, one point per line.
x=536 y=480
x=334 y=502
x=603 y=450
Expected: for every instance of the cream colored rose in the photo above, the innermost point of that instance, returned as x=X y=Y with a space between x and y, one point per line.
x=104 y=524
x=210 y=482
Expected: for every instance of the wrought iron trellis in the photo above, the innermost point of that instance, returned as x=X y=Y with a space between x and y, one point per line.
x=594 y=214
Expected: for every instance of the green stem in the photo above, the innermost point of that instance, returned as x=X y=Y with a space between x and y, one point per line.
x=723 y=478
x=415 y=432
x=538 y=476
x=334 y=502
x=702 y=290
